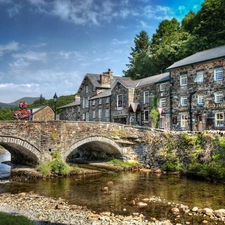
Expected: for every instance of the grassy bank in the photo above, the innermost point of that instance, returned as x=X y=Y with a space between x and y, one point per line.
x=8 y=219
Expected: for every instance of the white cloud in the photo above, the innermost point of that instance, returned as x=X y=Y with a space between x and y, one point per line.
x=18 y=64
x=117 y=42
x=159 y=12
x=31 y=56
x=12 y=46
x=15 y=10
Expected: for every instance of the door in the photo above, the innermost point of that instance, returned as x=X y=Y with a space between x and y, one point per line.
x=199 y=122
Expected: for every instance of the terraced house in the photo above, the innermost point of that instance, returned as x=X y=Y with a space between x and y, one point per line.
x=190 y=96
x=198 y=91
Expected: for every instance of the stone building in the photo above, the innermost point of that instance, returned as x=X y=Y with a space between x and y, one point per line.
x=71 y=111
x=198 y=91
x=107 y=98
x=190 y=96
x=42 y=113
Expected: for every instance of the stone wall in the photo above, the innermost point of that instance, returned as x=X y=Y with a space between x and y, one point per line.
x=45 y=113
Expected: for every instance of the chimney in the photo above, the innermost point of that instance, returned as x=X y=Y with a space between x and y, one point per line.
x=106 y=77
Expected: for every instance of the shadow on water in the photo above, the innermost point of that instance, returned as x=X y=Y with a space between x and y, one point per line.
x=5 y=170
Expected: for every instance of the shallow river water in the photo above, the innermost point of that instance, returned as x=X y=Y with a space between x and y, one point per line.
x=86 y=190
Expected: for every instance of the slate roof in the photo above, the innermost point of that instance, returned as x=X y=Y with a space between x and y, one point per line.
x=153 y=79
x=76 y=102
x=198 y=57
x=102 y=94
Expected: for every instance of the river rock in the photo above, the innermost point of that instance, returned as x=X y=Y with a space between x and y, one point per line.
x=207 y=211
x=142 y=204
x=220 y=213
x=175 y=211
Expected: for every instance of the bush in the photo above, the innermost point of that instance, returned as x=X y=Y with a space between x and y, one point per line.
x=55 y=166
x=118 y=162
x=171 y=166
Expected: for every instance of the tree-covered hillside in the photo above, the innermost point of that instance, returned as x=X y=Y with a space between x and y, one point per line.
x=7 y=113
x=174 y=41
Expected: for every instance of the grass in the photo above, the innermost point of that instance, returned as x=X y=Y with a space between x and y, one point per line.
x=8 y=219
x=117 y=162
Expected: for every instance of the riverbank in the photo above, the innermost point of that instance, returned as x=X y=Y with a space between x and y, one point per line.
x=45 y=211
x=50 y=211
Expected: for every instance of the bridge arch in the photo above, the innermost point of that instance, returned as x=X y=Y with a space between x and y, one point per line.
x=99 y=144
x=21 y=151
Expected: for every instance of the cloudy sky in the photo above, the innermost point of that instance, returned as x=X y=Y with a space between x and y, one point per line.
x=48 y=46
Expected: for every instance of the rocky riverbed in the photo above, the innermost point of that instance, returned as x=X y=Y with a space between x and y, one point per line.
x=49 y=211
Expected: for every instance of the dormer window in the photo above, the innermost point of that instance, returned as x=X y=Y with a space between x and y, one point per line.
x=100 y=101
x=86 y=89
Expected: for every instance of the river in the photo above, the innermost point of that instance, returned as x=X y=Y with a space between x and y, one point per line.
x=86 y=190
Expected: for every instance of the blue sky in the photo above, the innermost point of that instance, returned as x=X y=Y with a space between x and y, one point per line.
x=48 y=46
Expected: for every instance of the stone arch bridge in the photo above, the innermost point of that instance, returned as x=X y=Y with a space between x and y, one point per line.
x=32 y=142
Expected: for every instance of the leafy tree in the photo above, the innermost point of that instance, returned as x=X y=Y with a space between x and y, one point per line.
x=188 y=22
x=209 y=24
x=139 y=60
x=6 y=113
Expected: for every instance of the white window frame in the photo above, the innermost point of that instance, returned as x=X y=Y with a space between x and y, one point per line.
x=162 y=87
x=86 y=89
x=93 y=102
x=146 y=115
x=107 y=113
x=218 y=97
x=146 y=97
x=183 y=120
x=83 y=116
x=162 y=102
x=78 y=108
x=199 y=77
x=93 y=88
x=100 y=114
x=218 y=74
x=200 y=99
x=93 y=114
x=119 y=101
x=83 y=101
x=107 y=100
x=100 y=101
x=219 y=119
x=183 y=80
x=87 y=102
x=183 y=101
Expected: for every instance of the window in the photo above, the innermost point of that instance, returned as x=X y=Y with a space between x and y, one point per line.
x=93 y=102
x=66 y=110
x=93 y=88
x=219 y=97
x=83 y=116
x=86 y=102
x=100 y=113
x=107 y=100
x=119 y=101
x=199 y=77
x=218 y=74
x=162 y=87
x=72 y=110
x=184 y=121
x=107 y=113
x=86 y=89
x=146 y=97
x=219 y=119
x=93 y=114
x=162 y=102
x=146 y=115
x=200 y=99
x=183 y=80
x=100 y=101
x=161 y=122
x=183 y=101
x=78 y=108
x=83 y=101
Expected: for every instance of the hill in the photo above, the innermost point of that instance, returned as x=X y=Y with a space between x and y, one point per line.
x=28 y=100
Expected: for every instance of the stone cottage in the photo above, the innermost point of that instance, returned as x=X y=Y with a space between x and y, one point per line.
x=42 y=113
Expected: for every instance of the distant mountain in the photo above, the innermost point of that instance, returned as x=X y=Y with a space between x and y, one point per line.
x=28 y=100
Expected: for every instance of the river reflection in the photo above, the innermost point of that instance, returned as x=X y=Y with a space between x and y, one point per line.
x=5 y=169
x=86 y=190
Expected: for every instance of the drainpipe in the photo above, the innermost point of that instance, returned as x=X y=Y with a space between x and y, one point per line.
x=190 y=103
x=110 y=109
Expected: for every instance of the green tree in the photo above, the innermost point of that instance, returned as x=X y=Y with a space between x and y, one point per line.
x=6 y=114
x=154 y=114
x=209 y=25
x=188 y=22
x=139 y=59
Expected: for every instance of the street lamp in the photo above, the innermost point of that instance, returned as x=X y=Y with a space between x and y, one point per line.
x=55 y=100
